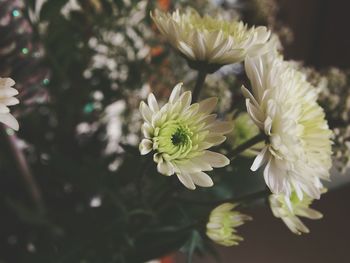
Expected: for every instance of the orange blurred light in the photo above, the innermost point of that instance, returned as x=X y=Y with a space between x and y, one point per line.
x=156 y=51
x=164 y=5
x=168 y=259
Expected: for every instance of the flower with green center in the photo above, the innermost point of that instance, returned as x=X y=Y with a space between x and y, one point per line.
x=297 y=152
x=221 y=227
x=7 y=99
x=211 y=41
x=289 y=208
x=180 y=134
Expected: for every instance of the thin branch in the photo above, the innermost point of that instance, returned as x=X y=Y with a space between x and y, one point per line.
x=244 y=146
x=202 y=74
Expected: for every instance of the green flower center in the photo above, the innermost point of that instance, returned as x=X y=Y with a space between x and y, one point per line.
x=175 y=139
x=181 y=136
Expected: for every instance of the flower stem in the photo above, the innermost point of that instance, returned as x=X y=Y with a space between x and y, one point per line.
x=246 y=145
x=202 y=74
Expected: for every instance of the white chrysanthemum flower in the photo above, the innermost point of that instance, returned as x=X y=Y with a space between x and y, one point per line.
x=290 y=208
x=211 y=40
x=221 y=227
x=298 y=145
x=180 y=134
x=7 y=99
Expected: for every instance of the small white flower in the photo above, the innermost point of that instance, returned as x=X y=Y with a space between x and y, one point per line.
x=7 y=99
x=284 y=106
x=180 y=134
x=221 y=227
x=289 y=208
x=211 y=40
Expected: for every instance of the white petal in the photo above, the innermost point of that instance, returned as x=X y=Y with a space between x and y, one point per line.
x=268 y=125
x=4 y=109
x=204 y=166
x=263 y=34
x=165 y=168
x=152 y=103
x=145 y=112
x=215 y=159
x=295 y=225
x=221 y=127
x=309 y=213
x=202 y=179
x=275 y=177
x=208 y=105
x=8 y=92
x=7 y=82
x=147 y=130
x=186 y=180
x=254 y=73
x=186 y=50
x=9 y=120
x=260 y=159
x=9 y=101
x=215 y=139
x=199 y=46
x=188 y=166
x=175 y=94
x=247 y=94
x=145 y=146
x=186 y=99
x=255 y=114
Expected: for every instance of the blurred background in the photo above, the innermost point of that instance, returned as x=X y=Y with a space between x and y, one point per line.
x=81 y=67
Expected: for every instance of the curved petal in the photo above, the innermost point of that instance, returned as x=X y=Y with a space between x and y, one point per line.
x=165 y=168
x=221 y=127
x=186 y=180
x=145 y=146
x=9 y=120
x=146 y=112
x=175 y=94
x=147 y=130
x=152 y=103
x=202 y=179
x=215 y=159
x=260 y=159
x=215 y=139
x=208 y=105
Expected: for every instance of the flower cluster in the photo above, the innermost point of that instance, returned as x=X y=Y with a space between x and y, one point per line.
x=223 y=220
x=295 y=149
x=180 y=134
x=7 y=93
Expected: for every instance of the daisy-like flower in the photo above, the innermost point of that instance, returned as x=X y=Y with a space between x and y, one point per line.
x=211 y=41
x=221 y=227
x=180 y=134
x=297 y=153
x=6 y=99
x=290 y=208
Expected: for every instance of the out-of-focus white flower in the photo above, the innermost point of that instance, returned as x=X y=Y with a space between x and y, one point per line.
x=211 y=40
x=180 y=134
x=290 y=208
x=284 y=107
x=7 y=93
x=221 y=227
